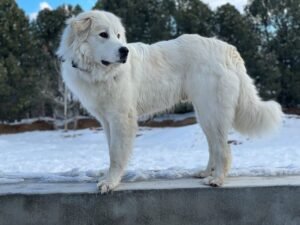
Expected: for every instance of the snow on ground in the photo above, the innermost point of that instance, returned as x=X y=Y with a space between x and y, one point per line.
x=57 y=156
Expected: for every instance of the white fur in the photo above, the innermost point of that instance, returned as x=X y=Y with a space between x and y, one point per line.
x=205 y=71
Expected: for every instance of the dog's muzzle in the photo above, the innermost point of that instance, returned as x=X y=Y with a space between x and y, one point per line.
x=123 y=54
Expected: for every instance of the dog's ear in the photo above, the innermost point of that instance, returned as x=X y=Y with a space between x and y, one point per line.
x=81 y=27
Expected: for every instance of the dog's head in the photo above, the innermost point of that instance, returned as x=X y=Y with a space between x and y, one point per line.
x=96 y=37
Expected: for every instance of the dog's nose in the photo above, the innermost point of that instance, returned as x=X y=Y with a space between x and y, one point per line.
x=123 y=53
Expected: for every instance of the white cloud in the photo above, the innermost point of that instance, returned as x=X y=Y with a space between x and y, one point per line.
x=42 y=6
x=239 y=4
x=33 y=16
x=45 y=5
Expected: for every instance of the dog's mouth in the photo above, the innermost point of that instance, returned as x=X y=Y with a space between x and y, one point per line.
x=106 y=63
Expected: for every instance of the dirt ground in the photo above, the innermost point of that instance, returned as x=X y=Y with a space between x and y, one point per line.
x=92 y=123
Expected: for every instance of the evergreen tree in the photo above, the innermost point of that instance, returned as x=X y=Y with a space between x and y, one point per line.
x=286 y=44
x=145 y=21
x=47 y=31
x=279 y=24
x=193 y=16
x=17 y=78
x=237 y=30
x=5 y=92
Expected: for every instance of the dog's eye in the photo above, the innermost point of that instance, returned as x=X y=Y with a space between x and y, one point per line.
x=118 y=35
x=103 y=34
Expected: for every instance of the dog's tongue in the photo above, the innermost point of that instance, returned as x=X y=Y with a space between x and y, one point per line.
x=105 y=63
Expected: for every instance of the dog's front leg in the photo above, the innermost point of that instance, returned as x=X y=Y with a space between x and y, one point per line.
x=106 y=129
x=122 y=132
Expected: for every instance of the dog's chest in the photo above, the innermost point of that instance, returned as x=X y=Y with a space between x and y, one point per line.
x=93 y=96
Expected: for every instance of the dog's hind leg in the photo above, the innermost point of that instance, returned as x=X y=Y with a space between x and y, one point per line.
x=216 y=131
x=214 y=98
x=122 y=133
x=210 y=165
x=221 y=155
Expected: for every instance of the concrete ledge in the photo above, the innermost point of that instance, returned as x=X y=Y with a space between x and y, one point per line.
x=243 y=200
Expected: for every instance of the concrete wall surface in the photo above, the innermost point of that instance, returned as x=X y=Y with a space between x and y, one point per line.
x=242 y=201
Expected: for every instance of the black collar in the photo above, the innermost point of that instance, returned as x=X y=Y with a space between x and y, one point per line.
x=61 y=59
x=75 y=65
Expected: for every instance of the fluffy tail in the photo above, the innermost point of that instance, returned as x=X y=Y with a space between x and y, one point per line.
x=253 y=116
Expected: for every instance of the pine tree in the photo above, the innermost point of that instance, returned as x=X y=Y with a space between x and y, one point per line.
x=17 y=63
x=193 y=16
x=279 y=26
x=286 y=44
x=145 y=21
x=236 y=29
x=48 y=28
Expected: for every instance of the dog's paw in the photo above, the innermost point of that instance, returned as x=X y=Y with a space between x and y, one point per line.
x=202 y=174
x=213 y=181
x=105 y=187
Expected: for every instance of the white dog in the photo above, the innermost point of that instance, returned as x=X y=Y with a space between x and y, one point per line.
x=116 y=82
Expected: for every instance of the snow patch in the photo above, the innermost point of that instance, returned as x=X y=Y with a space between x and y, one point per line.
x=82 y=155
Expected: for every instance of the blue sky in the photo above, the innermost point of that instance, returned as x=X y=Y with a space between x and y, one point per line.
x=31 y=7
